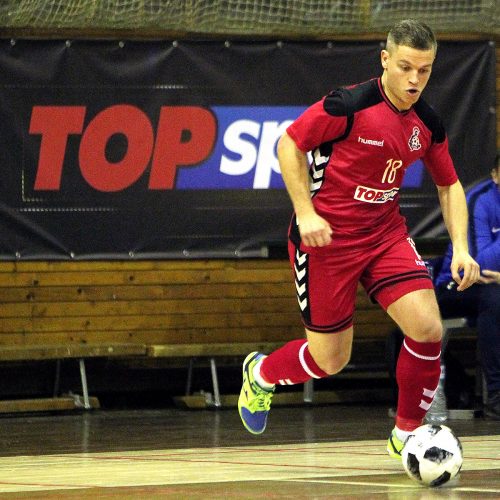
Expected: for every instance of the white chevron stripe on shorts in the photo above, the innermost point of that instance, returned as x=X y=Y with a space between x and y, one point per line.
x=301 y=278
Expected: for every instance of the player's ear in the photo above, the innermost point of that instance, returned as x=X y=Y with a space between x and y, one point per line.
x=384 y=56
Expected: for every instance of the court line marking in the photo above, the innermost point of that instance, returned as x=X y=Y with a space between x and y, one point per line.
x=385 y=485
x=358 y=483
x=186 y=454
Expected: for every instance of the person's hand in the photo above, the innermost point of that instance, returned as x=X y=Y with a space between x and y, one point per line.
x=462 y=261
x=314 y=230
x=487 y=277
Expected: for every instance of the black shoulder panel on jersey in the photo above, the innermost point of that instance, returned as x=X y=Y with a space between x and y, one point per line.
x=347 y=101
x=431 y=120
x=365 y=95
x=334 y=103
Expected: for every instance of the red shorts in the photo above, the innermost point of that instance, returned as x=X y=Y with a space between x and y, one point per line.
x=326 y=284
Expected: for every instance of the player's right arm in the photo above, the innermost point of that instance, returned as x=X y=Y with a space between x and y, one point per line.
x=455 y=215
x=451 y=195
x=314 y=230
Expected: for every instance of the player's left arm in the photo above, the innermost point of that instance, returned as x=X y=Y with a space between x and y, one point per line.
x=455 y=215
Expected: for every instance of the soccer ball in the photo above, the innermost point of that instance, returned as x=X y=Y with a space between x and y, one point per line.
x=432 y=455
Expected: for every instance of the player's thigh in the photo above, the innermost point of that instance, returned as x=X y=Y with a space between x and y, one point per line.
x=399 y=281
x=331 y=351
x=394 y=271
x=417 y=314
x=326 y=289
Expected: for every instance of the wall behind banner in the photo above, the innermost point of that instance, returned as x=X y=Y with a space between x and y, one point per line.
x=163 y=150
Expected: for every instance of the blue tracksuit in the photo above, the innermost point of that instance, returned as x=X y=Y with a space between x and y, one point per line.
x=479 y=301
x=483 y=201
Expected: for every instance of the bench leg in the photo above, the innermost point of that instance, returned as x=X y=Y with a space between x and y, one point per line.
x=189 y=380
x=85 y=390
x=481 y=390
x=215 y=383
x=484 y=391
x=308 y=391
x=57 y=379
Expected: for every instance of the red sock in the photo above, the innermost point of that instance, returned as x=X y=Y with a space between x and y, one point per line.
x=417 y=374
x=291 y=364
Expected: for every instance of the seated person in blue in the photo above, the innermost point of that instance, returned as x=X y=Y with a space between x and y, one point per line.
x=481 y=300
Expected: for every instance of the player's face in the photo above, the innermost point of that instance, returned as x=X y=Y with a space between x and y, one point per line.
x=406 y=73
x=495 y=175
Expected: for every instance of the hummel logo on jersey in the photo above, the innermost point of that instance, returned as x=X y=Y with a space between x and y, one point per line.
x=414 y=141
x=370 y=195
x=371 y=142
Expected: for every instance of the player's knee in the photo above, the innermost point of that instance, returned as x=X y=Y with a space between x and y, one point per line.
x=429 y=331
x=335 y=363
x=331 y=352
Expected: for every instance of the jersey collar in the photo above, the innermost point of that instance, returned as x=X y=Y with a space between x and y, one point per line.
x=388 y=101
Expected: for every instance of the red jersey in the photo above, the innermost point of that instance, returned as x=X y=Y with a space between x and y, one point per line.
x=361 y=145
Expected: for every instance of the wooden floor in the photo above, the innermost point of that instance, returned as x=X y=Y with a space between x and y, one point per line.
x=306 y=452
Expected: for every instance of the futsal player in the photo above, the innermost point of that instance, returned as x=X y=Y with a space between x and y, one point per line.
x=347 y=228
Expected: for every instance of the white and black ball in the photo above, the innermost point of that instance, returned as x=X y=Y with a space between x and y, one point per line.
x=432 y=455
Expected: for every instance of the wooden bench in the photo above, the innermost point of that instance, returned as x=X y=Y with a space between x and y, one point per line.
x=154 y=309
x=212 y=352
x=215 y=351
x=59 y=352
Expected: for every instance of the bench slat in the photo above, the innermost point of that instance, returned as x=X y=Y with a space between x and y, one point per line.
x=44 y=404
x=25 y=352
x=210 y=350
x=146 y=277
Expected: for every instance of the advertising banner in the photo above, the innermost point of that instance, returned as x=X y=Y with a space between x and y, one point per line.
x=168 y=150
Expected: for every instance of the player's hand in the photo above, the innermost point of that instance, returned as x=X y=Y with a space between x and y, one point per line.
x=487 y=277
x=462 y=261
x=314 y=230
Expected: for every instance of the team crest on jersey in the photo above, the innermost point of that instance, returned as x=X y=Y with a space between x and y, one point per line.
x=414 y=141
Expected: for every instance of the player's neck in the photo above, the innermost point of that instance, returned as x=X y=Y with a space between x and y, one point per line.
x=397 y=103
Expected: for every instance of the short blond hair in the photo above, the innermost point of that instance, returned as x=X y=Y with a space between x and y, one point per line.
x=411 y=33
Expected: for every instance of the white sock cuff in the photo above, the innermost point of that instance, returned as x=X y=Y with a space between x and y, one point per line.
x=401 y=435
x=258 y=377
x=303 y=361
x=420 y=356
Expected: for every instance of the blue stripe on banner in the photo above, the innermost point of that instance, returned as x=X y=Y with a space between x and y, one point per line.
x=244 y=155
